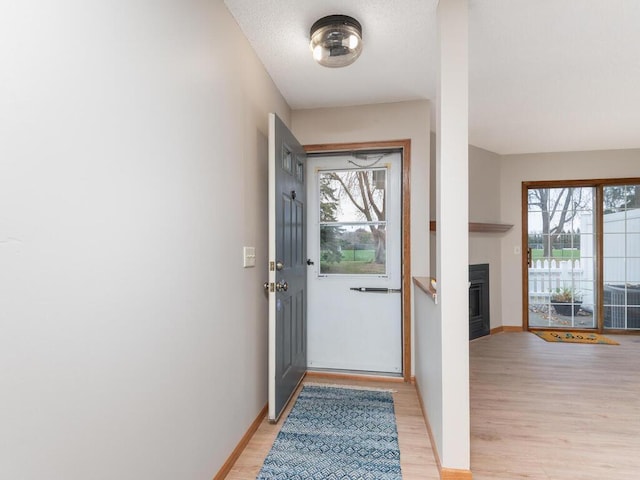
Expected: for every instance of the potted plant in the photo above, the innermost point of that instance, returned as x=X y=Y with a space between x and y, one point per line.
x=566 y=301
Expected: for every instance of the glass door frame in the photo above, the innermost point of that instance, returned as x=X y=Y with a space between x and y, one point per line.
x=598 y=185
x=526 y=258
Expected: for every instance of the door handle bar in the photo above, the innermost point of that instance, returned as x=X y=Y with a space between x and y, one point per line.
x=376 y=290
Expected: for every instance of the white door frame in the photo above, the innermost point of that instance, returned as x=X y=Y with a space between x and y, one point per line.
x=405 y=146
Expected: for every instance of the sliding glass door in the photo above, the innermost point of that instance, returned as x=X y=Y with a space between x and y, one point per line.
x=582 y=254
x=621 y=254
x=561 y=257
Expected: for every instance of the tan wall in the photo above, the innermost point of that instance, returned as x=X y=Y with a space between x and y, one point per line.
x=132 y=171
x=514 y=170
x=484 y=206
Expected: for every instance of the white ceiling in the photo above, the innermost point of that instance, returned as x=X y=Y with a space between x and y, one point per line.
x=544 y=75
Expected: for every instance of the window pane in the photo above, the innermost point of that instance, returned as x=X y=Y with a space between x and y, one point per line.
x=535 y=224
x=633 y=317
x=286 y=159
x=633 y=295
x=614 y=245
x=633 y=245
x=617 y=198
x=300 y=171
x=615 y=222
x=538 y=250
x=587 y=246
x=352 y=221
x=353 y=249
x=614 y=317
x=614 y=270
x=633 y=209
x=633 y=271
x=614 y=294
x=566 y=246
x=353 y=195
x=586 y=291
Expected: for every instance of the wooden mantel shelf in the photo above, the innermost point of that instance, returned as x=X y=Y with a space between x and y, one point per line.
x=480 y=227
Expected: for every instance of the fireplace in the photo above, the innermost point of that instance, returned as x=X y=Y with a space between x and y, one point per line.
x=479 y=324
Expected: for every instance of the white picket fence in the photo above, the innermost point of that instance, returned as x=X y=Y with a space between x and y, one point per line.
x=545 y=276
x=622 y=234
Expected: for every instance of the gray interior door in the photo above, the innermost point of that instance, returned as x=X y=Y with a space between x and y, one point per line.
x=287 y=266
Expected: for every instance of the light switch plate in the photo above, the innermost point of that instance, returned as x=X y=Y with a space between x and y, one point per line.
x=249 y=257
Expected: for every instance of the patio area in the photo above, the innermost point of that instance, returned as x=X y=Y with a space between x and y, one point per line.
x=541 y=315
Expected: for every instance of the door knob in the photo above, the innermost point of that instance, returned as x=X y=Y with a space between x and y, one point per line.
x=282 y=286
x=279 y=265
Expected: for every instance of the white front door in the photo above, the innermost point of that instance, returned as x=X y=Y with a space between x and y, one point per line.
x=354 y=225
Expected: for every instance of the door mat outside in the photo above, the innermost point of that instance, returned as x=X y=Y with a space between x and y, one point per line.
x=575 y=337
x=336 y=433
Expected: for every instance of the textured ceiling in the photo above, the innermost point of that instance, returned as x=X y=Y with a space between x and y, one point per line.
x=544 y=75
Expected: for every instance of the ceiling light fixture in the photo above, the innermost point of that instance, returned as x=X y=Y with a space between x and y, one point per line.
x=336 y=40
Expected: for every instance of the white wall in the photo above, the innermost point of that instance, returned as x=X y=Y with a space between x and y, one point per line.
x=445 y=388
x=132 y=171
x=391 y=121
x=545 y=166
x=429 y=367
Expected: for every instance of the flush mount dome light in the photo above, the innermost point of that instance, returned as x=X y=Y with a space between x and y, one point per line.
x=336 y=40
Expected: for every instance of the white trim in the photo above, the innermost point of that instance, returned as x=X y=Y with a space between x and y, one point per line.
x=272 y=274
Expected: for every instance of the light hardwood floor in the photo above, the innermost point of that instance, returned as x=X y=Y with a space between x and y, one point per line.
x=416 y=457
x=556 y=411
x=539 y=410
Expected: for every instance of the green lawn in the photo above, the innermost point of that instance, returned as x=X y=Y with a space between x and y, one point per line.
x=358 y=255
x=354 y=262
x=352 y=268
x=561 y=253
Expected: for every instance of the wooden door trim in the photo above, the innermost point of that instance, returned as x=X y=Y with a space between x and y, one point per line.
x=405 y=146
x=525 y=255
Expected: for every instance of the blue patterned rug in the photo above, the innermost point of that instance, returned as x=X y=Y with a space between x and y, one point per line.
x=336 y=434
